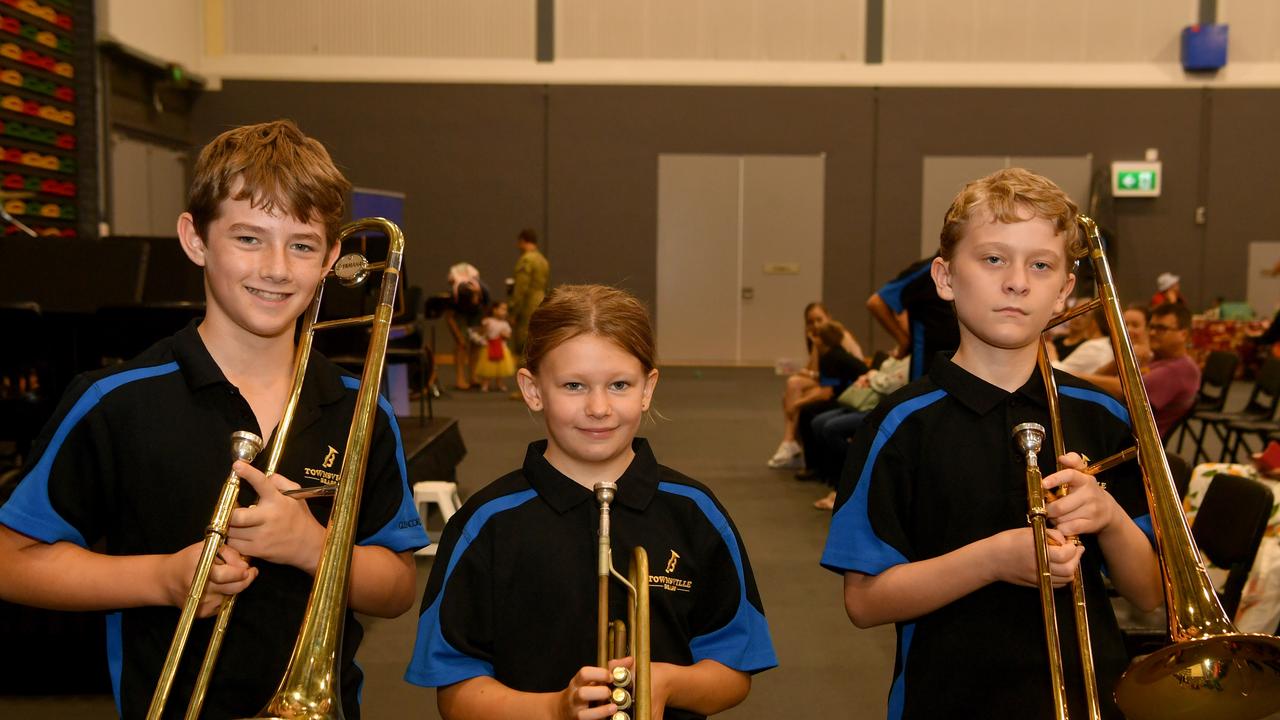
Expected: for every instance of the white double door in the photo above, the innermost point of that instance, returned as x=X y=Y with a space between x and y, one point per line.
x=739 y=255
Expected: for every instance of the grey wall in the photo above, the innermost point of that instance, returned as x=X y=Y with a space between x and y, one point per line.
x=1243 y=186
x=469 y=158
x=604 y=146
x=580 y=163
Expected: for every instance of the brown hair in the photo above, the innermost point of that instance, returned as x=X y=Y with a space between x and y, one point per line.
x=1179 y=312
x=279 y=170
x=573 y=310
x=1007 y=195
x=831 y=333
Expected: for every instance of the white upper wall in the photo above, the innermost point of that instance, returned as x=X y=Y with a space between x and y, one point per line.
x=1046 y=43
x=170 y=31
x=786 y=30
x=380 y=28
x=1016 y=31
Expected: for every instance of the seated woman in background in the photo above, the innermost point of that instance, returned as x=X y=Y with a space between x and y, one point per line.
x=1135 y=317
x=803 y=388
x=1092 y=353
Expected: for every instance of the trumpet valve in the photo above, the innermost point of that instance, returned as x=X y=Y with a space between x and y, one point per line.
x=620 y=716
x=621 y=698
x=620 y=677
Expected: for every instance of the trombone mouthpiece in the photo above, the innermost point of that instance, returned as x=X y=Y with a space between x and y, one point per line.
x=245 y=446
x=1029 y=436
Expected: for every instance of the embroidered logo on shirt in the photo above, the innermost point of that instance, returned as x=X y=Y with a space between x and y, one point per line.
x=325 y=476
x=668 y=583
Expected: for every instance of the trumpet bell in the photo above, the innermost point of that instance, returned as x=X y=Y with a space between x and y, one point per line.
x=1235 y=676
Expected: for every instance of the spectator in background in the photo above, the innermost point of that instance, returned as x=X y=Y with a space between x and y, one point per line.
x=1090 y=354
x=834 y=429
x=470 y=299
x=1173 y=378
x=531 y=275
x=803 y=384
x=1169 y=290
x=495 y=363
x=930 y=326
x=837 y=370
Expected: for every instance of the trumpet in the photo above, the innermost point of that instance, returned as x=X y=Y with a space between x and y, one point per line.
x=310 y=686
x=1211 y=670
x=631 y=689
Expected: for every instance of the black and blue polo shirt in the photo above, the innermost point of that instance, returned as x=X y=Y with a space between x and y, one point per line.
x=132 y=463
x=931 y=320
x=934 y=469
x=512 y=592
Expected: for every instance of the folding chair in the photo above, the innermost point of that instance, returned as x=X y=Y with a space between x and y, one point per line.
x=1215 y=383
x=1262 y=403
x=1229 y=527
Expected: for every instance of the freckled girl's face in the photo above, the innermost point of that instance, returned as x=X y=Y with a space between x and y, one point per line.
x=593 y=395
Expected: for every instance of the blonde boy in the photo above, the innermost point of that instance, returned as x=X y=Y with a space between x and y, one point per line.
x=930 y=529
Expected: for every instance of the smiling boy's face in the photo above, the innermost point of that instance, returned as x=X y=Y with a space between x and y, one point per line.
x=1006 y=280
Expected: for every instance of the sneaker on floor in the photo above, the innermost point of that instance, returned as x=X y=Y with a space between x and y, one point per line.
x=788 y=455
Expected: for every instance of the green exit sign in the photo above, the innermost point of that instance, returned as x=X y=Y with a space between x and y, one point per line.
x=1136 y=179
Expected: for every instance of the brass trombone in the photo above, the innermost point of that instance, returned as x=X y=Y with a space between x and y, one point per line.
x=310 y=686
x=612 y=640
x=1211 y=670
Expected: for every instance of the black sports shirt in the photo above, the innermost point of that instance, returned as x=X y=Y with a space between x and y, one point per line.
x=132 y=463
x=935 y=468
x=512 y=593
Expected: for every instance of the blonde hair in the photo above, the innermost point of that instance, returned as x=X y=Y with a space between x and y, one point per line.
x=1008 y=195
x=279 y=170
x=607 y=312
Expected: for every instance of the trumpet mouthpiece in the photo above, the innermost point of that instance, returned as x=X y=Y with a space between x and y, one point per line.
x=1029 y=436
x=605 y=492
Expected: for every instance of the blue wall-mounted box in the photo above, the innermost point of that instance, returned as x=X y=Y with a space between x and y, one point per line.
x=1204 y=47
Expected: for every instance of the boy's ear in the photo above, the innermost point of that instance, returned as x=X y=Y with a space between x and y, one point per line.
x=529 y=389
x=1067 y=287
x=192 y=243
x=940 y=270
x=332 y=255
x=650 y=382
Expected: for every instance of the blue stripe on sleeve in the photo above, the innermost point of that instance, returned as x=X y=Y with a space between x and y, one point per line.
x=403 y=531
x=852 y=544
x=744 y=643
x=29 y=510
x=1145 y=525
x=1115 y=407
x=898 y=691
x=115 y=656
x=435 y=662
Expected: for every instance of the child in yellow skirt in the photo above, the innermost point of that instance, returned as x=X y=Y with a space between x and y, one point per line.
x=496 y=362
